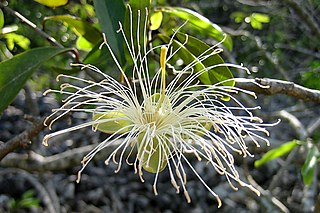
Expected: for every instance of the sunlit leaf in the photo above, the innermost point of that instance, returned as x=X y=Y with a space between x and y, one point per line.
x=262 y=18
x=156 y=20
x=255 y=24
x=52 y=3
x=238 y=16
x=1 y=19
x=199 y=22
x=15 y=72
x=276 y=152
x=82 y=28
x=84 y=44
x=13 y=38
x=308 y=167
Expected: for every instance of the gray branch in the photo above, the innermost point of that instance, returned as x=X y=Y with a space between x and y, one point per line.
x=274 y=86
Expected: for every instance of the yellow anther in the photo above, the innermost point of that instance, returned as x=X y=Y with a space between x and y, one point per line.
x=163 y=57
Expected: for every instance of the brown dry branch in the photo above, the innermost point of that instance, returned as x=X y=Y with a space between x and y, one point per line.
x=274 y=86
x=23 y=139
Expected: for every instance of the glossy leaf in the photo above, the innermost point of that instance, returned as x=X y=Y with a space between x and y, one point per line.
x=197 y=47
x=52 y=3
x=114 y=122
x=277 y=152
x=308 y=167
x=82 y=28
x=156 y=20
x=15 y=72
x=65 y=71
x=201 y=22
x=188 y=58
x=110 y=13
x=1 y=19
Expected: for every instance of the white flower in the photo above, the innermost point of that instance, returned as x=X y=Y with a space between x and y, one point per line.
x=159 y=122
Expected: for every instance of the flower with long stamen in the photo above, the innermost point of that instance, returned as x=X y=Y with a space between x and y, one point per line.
x=163 y=124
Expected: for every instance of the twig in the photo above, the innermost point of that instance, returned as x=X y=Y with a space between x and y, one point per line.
x=299 y=50
x=275 y=179
x=304 y=16
x=268 y=195
x=273 y=86
x=21 y=140
x=295 y=123
x=313 y=126
x=58 y=162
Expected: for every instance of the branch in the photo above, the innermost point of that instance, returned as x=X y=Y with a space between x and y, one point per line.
x=273 y=86
x=59 y=162
x=304 y=16
x=21 y=140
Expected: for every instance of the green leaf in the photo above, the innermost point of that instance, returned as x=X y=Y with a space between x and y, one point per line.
x=102 y=59
x=201 y=22
x=276 y=152
x=255 y=24
x=110 y=13
x=20 y=40
x=15 y=72
x=114 y=122
x=262 y=18
x=84 y=44
x=188 y=58
x=210 y=77
x=1 y=19
x=197 y=47
x=82 y=28
x=52 y=3
x=156 y=20
x=65 y=71
x=308 y=167
x=238 y=16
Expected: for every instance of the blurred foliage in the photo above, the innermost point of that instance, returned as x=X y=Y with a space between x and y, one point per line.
x=27 y=200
